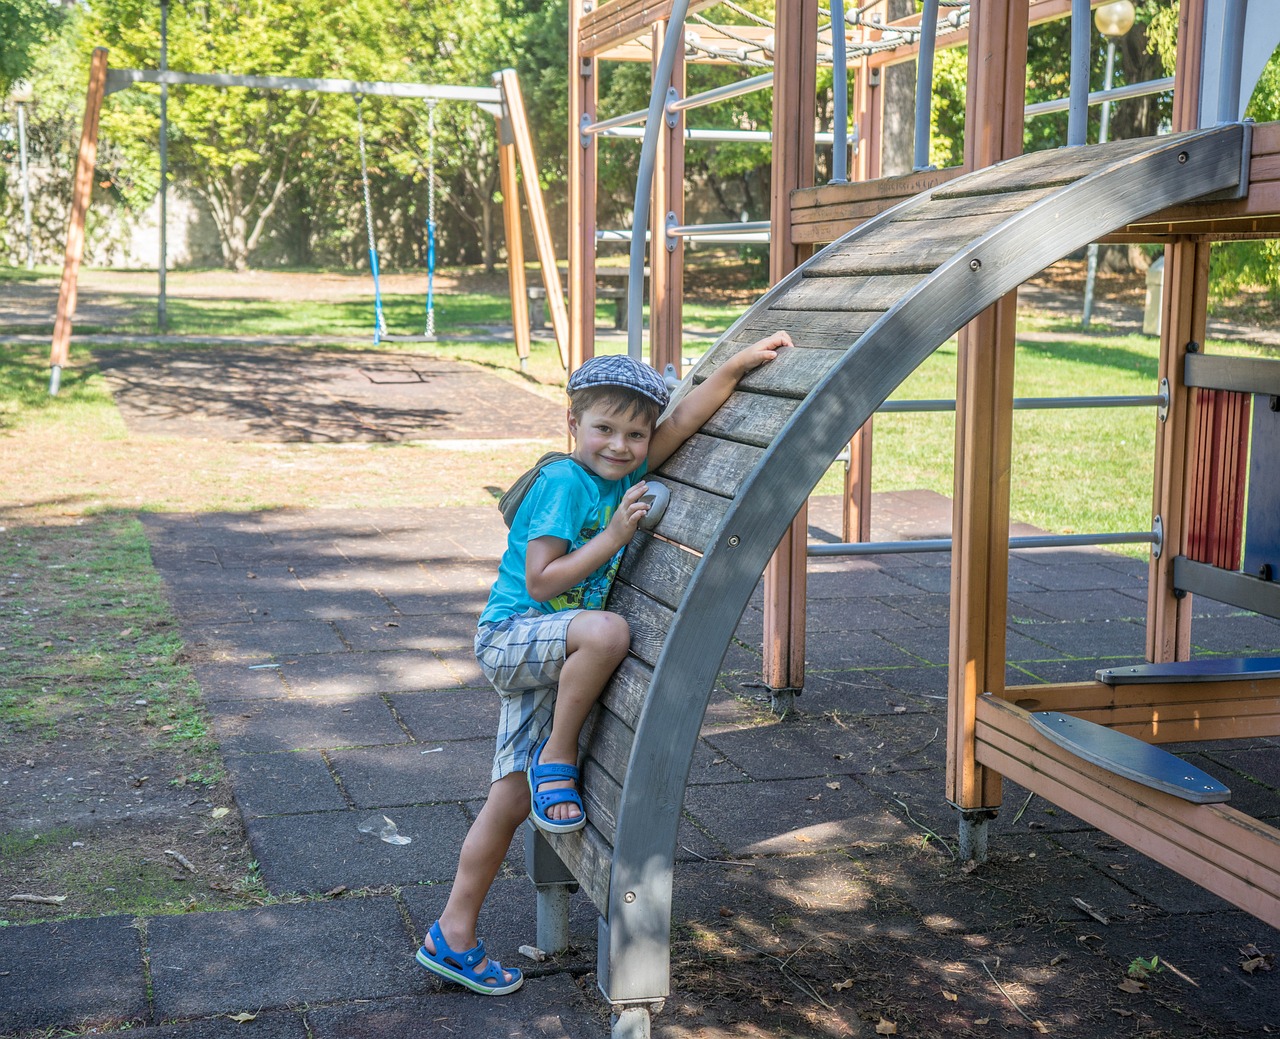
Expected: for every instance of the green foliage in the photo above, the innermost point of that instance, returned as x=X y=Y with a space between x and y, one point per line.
x=25 y=27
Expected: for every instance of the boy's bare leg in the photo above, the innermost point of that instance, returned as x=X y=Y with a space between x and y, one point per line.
x=485 y=846
x=597 y=643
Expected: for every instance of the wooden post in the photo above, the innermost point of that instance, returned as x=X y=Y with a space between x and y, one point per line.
x=794 y=105
x=984 y=422
x=537 y=210
x=515 y=241
x=81 y=193
x=1183 y=320
x=856 y=514
x=666 y=265
x=583 y=89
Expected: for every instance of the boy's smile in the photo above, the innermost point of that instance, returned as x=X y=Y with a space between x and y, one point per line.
x=611 y=444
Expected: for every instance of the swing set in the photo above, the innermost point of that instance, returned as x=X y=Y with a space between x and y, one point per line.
x=516 y=163
x=379 y=317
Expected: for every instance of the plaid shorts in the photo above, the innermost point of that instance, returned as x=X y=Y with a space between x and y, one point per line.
x=522 y=656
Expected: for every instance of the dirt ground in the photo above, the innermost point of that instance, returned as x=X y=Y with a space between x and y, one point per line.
x=100 y=815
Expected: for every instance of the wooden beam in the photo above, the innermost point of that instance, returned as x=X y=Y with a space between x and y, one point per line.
x=1219 y=848
x=794 y=110
x=81 y=193
x=640 y=49
x=537 y=210
x=1164 y=712
x=666 y=266
x=512 y=227
x=984 y=422
x=619 y=21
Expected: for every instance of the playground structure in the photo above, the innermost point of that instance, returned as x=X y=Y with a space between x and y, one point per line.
x=515 y=157
x=914 y=259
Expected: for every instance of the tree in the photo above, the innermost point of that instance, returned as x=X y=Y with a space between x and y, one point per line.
x=26 y=26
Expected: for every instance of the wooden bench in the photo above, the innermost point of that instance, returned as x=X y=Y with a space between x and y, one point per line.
x=864 y=313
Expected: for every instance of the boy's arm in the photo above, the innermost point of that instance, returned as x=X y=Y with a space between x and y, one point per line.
x=551 y=569
x=705 y=399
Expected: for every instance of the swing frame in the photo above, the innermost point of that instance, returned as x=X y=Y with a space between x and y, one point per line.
x=515 y=157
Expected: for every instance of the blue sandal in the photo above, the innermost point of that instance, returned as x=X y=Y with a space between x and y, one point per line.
x=542 y=800
x=461 y=966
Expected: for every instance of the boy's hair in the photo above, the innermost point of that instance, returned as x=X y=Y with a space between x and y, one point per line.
x=622 y=399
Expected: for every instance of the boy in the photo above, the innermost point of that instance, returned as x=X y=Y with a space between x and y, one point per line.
x=545 y=640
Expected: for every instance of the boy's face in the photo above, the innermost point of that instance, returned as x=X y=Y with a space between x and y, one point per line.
x=610 y=443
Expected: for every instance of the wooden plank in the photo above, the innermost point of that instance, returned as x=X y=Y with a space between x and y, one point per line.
x=819 y=330
x=627 y=689
x=583 y=88
x=650 y=620
x=693 y=516
x=718 y=466
x=751 y=418
x=792 y=374
x=589 y=858
x=903 y=246
x=601 y=793
x=892 y=189
x=1219 y=848
x=1154 y=697
x=874 y=292
x=658 y=568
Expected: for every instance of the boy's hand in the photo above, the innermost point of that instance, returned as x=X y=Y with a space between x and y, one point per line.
x=627 y=516
x=758 y=353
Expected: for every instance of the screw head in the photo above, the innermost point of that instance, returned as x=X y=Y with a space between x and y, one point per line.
x=629 y=897
x=734 y=541
x=975 y=264
x=1182 y=158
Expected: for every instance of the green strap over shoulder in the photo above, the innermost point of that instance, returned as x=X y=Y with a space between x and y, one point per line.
x=509 y=503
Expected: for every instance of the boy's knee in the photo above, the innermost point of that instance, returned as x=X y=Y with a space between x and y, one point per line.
x=606 y=632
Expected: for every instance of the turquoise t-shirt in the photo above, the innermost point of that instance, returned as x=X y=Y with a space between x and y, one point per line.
x=568 y=502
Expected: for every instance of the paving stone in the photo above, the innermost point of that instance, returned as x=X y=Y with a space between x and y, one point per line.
x=347 y=675
x=1094 y=604
x=233 y=962
x=323 y=850
x=424 y=633
x=1112 y=639
x=277 y=640
x=433 y=715
x=271 y=726
x=509 y=918
x=1243 y=634
x=415 y=773
x=551 y=1007
x=221 y=680
x=781 y=818
x=854 y=649
x=44 y=983
x=301 y=605
x=267 y=1025
x=278 y=784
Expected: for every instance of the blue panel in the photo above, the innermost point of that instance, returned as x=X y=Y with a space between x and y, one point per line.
x=1127 y=756
x=1262 y=518
x=1205 y=669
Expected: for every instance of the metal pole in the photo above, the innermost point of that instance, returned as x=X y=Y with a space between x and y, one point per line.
x=672 y=42
x=1104 y=128
x=26 y=182
x=162 y=315
x=1230 y=107
x=840 y=87
x=1078 y=110
x=924 y=82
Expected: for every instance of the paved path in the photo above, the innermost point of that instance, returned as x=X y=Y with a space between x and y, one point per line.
x=333 y=651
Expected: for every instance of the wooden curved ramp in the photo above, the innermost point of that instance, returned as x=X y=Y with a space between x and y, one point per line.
x=864 y=313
